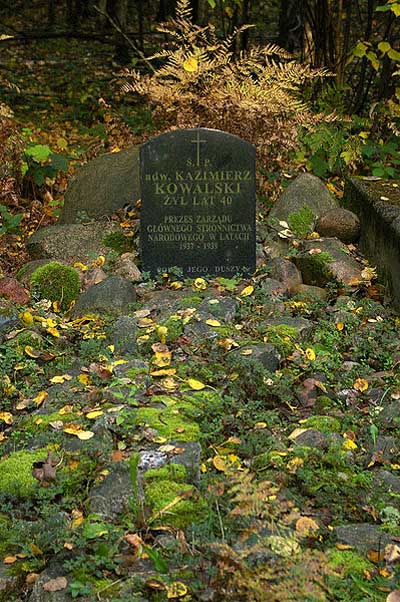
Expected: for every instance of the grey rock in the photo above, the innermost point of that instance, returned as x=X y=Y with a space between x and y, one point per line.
x=69 y=243
x=362 y=536
x=260 y=255
x=274 y=245
x=123 y=335
x=114 y=295
x=313 y=438
x=190 y=458
x=8 y=583
x=390 y=415
x=310 y=293
x=303 y=326
x=8 y=317
x=305 y=191
x=126 y=267
x=25 y=272
x=100 y=444
x=54 y=570
x=110 y=498
x=152 y=459
x=162 y=303
x=340 y=223
x=198 y=329
x=103 y=186
x=264 y=353
x=272 y=288
x=387 y=447
x=58 y=396
x=221 y=308
x=286 y=272
x=136 y=364
x=387 y=481
x=340 y=267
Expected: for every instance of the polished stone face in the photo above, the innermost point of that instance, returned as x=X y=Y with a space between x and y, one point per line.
x=198 y=203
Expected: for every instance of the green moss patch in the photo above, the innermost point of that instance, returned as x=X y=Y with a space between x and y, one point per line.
x=16 y=473
x=301 y=222
x=56 y=282
x=326 y=424
x=170 y=499
x=118 y=242
x=171 y=423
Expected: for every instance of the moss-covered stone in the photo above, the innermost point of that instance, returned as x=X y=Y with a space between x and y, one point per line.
x=36 y=424
x=56 y=282
x=349 y=562
x=171 y=423
x=170 y=499
x=16 y=473
x=325 y=424
x=301 y=222
x=27 y=338
x=282 y=337
x=118 y=242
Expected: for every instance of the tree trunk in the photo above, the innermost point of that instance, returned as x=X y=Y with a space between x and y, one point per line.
x=51 y=13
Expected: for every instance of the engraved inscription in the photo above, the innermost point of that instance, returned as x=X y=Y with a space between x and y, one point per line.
x=198 y=203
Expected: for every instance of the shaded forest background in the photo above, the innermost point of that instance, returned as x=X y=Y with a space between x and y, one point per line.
x=314 y=84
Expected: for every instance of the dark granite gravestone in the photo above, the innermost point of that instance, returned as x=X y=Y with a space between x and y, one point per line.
x=198 y=203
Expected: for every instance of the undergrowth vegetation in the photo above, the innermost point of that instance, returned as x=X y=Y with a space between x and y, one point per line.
x=199 y=82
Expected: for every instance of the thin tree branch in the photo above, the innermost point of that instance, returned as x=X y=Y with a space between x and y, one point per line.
x=105 y=14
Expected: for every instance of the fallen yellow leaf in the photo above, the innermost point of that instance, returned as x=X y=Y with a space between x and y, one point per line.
x=84 y=379
x=53 y=331
x=246 y=292
x=219 y=463
x=61 y=378
x=197 y=385
x=94 y=414
x=310 y=354
x=40 y=397
x=305 y=526
x=200 y=284
x=77 y=518
x=169 y=383
x=213 y=322
x=85 y=435
x=361 y=384
x=296 y=433
x=343 y=546
x=80 y=266
x=6 y=417
x=176 y=590
x=9 y=559
x=26 y=318
x=349 y=444
x=164 y=372
x=175 y=285
x=32 y=352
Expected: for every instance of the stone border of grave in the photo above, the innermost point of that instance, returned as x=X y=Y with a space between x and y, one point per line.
x=377 y=203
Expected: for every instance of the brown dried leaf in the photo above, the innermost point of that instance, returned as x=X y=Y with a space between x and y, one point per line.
x=55 y=585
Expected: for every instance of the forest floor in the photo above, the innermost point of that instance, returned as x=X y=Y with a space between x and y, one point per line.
x=296 y=494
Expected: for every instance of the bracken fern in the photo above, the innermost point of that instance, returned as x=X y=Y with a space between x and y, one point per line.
x=200 y=82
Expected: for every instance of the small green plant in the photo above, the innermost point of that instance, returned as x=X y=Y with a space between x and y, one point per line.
x=56 y=282
x=118 y=242
x=41 y=163
x=9 y=223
